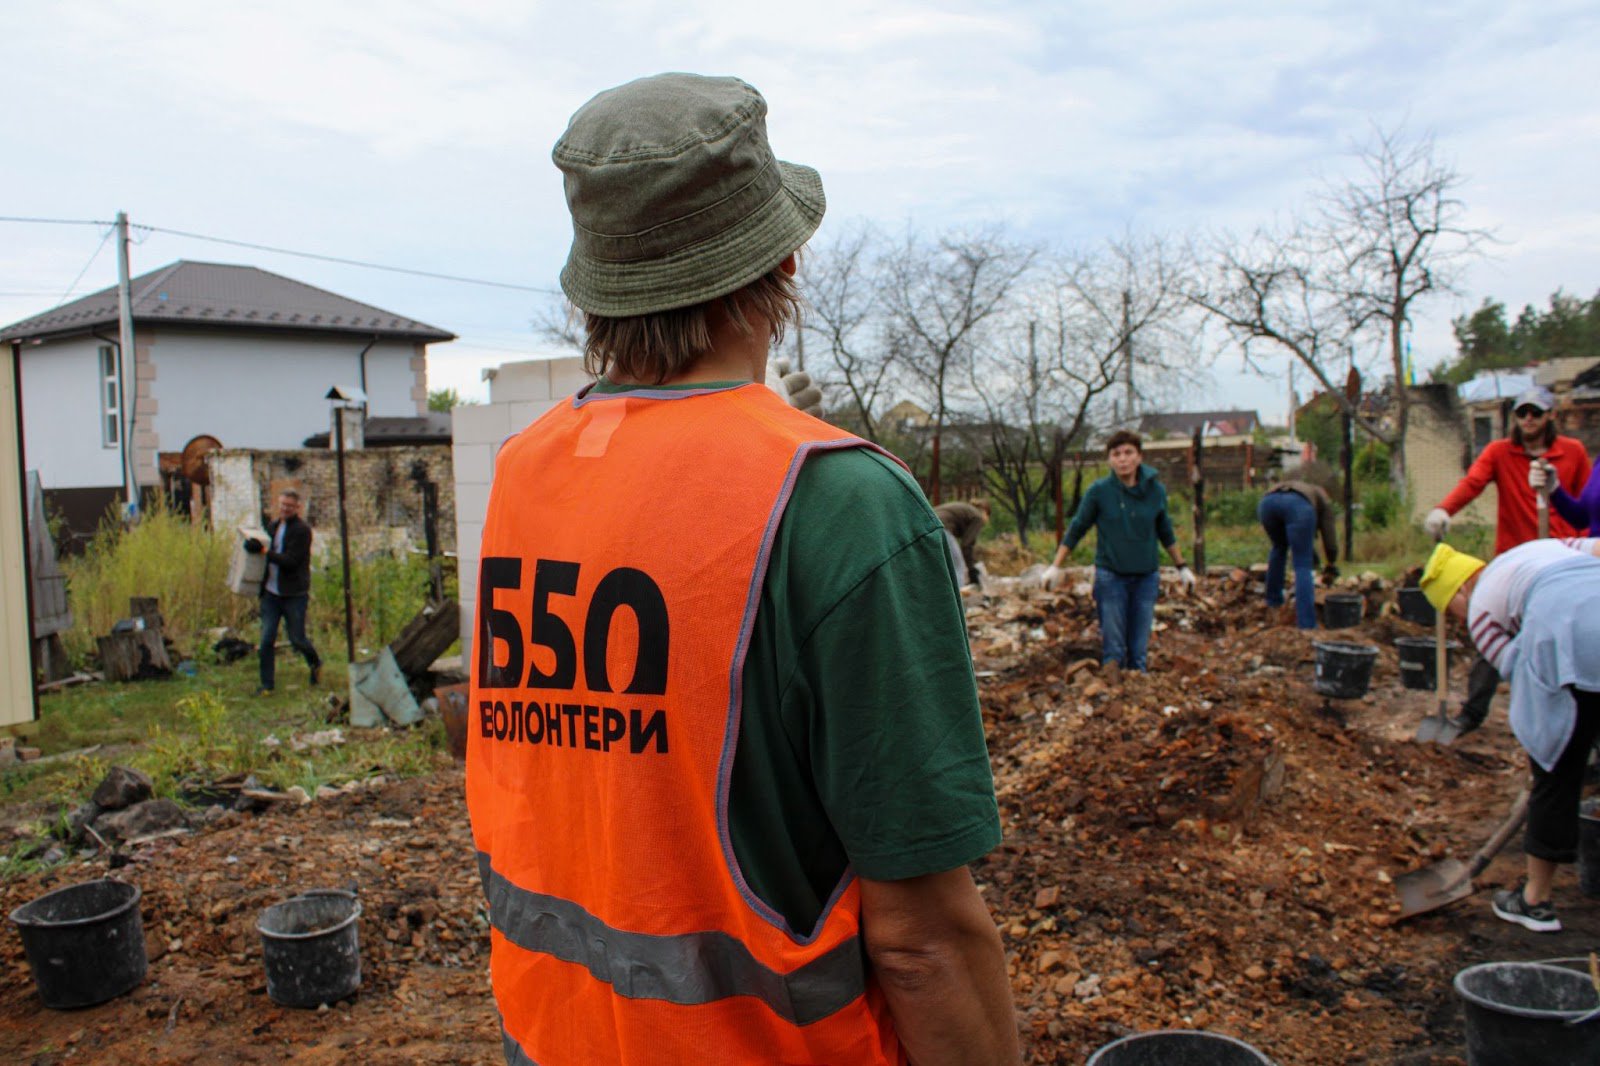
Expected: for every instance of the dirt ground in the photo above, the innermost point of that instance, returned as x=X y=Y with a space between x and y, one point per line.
x=1210 y=846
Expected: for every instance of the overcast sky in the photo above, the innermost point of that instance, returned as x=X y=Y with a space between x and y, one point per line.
x=417 y=134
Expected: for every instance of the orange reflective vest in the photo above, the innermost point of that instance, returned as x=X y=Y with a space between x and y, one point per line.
x=624 y=549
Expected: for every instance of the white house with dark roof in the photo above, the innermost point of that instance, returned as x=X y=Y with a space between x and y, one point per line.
x=232 y=352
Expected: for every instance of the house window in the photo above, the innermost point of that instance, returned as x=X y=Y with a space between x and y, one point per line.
x=1482 y=433
x=110 y=398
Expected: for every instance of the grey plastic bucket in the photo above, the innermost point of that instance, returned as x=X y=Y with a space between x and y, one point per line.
x=1178 y=1047
x=1344 y=670
x=85 y=942
x=1419 y=665
x=1342 y=610
x=1517 y=1014
x=1589 y=848
x=311 y=948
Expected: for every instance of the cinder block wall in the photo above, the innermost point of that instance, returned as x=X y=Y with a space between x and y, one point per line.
x=1438 y=453
x=518 y=394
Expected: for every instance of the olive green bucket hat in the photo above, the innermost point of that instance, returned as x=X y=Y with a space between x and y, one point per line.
x=675 y=196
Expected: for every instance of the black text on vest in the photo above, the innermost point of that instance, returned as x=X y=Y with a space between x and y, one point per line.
x=508 y=624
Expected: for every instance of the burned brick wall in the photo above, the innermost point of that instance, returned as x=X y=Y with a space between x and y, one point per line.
x=383 y=492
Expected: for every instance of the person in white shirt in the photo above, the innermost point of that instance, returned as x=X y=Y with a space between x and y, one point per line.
x=1534 y=613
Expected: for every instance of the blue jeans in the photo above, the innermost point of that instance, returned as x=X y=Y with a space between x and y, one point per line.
x=1127 y=604
x=1291 y=524
x=292 y=609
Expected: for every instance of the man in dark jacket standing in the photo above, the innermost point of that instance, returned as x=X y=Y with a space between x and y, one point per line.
x=286 y=589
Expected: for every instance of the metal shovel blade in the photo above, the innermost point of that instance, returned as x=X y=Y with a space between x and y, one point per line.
x=1437 y=728
x=1433 y=887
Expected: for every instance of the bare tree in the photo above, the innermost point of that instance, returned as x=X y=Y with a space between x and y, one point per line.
x=845 y=315
x=939 y=296
x=1275 y=291
x=1397 y=234
x=1320 y=290
x=1097 y=322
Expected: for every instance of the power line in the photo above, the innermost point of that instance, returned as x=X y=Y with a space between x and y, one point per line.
x=365 y=264
x=57 y=221
x=106 y=236
x=349 y=262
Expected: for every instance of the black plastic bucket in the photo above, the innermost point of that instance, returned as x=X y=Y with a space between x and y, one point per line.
x=1517 y=1014
x=1344 y=670
x=85 y=942
x=1419 y=669
x=311 y=948
x=1589 y=848
x=1342 y=610
x=1178 y=1047
x=1414 y=606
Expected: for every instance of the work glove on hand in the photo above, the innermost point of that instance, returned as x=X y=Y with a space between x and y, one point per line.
x=1541 y=477
x=795 y=386
x=1186 y=579
x=1052 y=576
x=1437 y=523
x=253 y=546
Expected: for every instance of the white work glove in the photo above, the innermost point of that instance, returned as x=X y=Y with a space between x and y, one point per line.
x=1186 y=579
x=1052 y=576
x=795 y=387
x=1540 y=479
x=1437 y=523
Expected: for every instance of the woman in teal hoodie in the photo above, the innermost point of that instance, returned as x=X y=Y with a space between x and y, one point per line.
x=1128 y=511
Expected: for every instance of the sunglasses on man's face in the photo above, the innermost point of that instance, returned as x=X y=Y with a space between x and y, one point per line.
x=1529 y=412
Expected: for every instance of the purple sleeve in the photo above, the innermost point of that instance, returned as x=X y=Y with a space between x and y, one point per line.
x=1583 y=512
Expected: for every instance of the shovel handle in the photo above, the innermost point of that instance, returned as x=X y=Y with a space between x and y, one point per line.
x=1513 y=822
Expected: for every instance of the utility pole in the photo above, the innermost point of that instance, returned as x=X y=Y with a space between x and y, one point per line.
x=1292 y=439
x=1127 y=347
x=125 y=358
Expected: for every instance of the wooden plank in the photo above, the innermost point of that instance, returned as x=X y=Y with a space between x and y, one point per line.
x=425 y=637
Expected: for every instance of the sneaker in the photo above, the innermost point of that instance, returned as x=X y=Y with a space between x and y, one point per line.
x=263 y=691
x=316 y=672
x=1540 y=917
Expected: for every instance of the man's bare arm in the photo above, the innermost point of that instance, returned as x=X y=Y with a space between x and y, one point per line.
x=937 y=956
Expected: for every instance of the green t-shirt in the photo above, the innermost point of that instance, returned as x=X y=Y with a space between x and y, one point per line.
x=860 y=742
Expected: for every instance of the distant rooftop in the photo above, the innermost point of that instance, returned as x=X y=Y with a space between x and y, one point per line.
x=1226 y=423
x=223 y=295
x=382 y=431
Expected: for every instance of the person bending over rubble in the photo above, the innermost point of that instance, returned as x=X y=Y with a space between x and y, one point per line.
x=1513 y=465
x=1127 y=509
x=964 y=521
x=726 y=765
x=1531 y=613
x=1293 y=512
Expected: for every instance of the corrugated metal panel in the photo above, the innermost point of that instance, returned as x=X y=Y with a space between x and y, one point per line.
x=50 y=611
x=16 y=664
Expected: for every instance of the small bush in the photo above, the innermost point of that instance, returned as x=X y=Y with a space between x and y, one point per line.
x=386 y=592
x=183 y=565
x=1235 y=507
x=1379 y=506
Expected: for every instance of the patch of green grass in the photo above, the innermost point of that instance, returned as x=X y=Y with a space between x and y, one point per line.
x=199 y=729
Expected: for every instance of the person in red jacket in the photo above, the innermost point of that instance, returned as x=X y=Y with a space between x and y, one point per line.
x=1505 y=463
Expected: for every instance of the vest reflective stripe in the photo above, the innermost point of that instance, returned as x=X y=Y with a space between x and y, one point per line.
x=685 y=968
